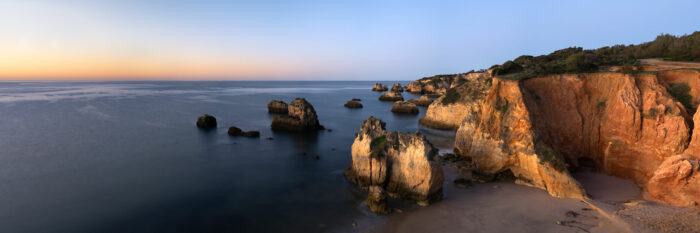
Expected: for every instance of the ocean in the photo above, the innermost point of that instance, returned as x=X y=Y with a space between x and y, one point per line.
x=127 y=157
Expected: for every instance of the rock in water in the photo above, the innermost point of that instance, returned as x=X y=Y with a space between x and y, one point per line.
x=252 y=134
x=376 y=200
x=353 y=104
x=391 y=96
x=302 y=117
x=379 y=87
x=404 y=164
x=206 y=122
x=424 y=101
x=277 y=106
x=235 y=131
x=404 y=107
x=396 y=87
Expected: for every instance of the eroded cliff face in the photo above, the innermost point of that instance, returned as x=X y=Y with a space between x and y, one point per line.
x=439 y=84
x=541 y=127
x=447 y=111
x=404 y=164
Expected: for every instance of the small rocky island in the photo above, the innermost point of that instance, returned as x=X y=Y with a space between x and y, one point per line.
x=424 y=101
x=391 y=96
x=404 y=165
x=301 y=117
x=354 y=103
x=206 y=121
x=404 y=107
x=379 y=87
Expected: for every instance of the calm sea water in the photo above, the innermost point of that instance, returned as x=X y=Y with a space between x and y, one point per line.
x=127 y=157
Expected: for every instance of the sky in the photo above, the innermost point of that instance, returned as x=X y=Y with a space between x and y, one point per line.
x=309 y=40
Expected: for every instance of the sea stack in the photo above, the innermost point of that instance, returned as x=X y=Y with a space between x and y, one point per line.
x=404 y=107
x=379 y=87
x=206 y=121
x=277 y=106
x=403 y=164
x=396 y=87
x=391 y=96
x=353 y=104
x=302 y=117
x=424 y=101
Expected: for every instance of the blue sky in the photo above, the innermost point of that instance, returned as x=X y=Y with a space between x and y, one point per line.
x=310 y=40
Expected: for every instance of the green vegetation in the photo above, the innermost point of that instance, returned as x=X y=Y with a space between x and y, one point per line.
x=547 y=154
x=502 y=106
x=601 y=105
x=578 y=60
x=680 y=91
x=451 y=96
x=652 y=113
x=377 y=146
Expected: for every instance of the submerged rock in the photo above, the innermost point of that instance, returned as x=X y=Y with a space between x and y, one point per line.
x=277 y=106
x=353 y=104
x=424 y=101
x=379 y=87
x=404 y=164
x=377 y=200
x=404 y=107
x=391 y=96
x=302 y=117
x=235 y=131
x=206 y=121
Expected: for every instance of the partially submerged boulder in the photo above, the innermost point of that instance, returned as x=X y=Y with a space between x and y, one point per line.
x=302 y=117
x=235 y=131
x=353 y=104
x=396 y=87
x=391 y=96
x=379 y=87
x=206 y=121
x=404 y=164
x=277 y=106
x=404 y=107
x=424 y=101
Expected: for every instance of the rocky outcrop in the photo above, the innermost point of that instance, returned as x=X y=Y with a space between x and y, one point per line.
x=684 y=85
x=404 y=107
x=538 y=128
x=404 y=164
x=302 y=117
x=439 y=84
x=448 y=111
x=379 y=87
x=677 y=182
x=396 y=87
x=353 y=104
x=377 y=200
x=206 y=121
x=235 y=131
x=391 y=96
x=277 y=106
x=424 y=101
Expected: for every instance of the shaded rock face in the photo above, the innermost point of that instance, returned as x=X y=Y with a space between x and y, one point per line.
x=235 y=131
x=302 y=117
x=424 y=101
x=448 y=111
x=353 y=104
x=404 y=107
x=404 y=164
x=277 y=106
x=391 y=96
x=206 y=122
x=376 y=200
x=684 y=85
x=379 y=87
x=396 y=87
x=538 y=128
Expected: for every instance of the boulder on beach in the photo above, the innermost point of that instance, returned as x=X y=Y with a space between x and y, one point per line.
x=379 y=87
x=277 y=106
x=403 y=164
x=396 y=87
x=235 y=131
x=391 y=96
x=377 y=200
x=424 y=101
x=404 y=107
x=353 y=104
x=206 y=121
x=302 y=117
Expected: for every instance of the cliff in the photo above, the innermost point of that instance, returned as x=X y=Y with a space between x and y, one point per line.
x=439 y=84
x=447 y=111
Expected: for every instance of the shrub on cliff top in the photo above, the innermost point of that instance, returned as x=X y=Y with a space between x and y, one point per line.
x=680 y=91
x=378 y=145
x=451 y=96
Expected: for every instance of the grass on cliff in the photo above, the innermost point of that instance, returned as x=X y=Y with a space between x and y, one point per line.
x=377 y=146
x=451 y=96
x=680 y=91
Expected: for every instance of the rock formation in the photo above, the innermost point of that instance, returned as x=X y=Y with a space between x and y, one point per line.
x=376 y=200
x=539 y=128
x=235 y=131
x=404 y=107
x=396 y=87
x=391 y=96
x=353 y=104
x=448 y=111
x=379 y=87
x=424 y=101
x=404 y=164
x=439 y=84
x=206 y=121
x=277 y=106
x=302 y=117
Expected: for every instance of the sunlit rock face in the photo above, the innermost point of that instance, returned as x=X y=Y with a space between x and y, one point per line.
x=391 y=96
x=448 y=111
x=379 y=87
x=403 y=164
x=302 y=117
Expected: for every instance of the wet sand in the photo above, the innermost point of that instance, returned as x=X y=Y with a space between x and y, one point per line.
x=615 y=206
